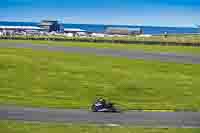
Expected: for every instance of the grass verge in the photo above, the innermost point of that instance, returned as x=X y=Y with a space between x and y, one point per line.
x=141 y=47
x=25 y=127
x=52 y=79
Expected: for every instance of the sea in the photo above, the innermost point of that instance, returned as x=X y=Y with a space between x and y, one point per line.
x=100 y=28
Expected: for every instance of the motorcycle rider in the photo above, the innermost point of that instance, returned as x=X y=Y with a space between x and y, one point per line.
x=101 y=105
x=102 y=102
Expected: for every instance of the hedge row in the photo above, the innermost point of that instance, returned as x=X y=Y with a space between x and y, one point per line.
x=149 y=41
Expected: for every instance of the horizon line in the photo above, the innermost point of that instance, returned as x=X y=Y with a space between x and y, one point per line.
x=141 y=25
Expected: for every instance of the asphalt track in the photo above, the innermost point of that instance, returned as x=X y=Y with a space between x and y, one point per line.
x=144 y=119
x=164 y=57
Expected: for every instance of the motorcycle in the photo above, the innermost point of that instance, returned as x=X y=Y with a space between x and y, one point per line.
x=106 y=107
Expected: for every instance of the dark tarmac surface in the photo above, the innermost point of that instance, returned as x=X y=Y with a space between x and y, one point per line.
x=143 y=119
x=164 y=57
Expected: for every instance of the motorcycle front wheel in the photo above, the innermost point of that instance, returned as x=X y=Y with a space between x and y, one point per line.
x=93 y=108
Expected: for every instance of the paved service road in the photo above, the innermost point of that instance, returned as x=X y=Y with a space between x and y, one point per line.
x=144 y=119
x=166 y=57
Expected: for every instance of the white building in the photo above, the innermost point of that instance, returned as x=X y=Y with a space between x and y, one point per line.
x=97 y=35
x=19 y=28
x=73 y=30
x=69 y=34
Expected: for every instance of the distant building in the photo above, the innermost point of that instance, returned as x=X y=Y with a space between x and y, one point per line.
x=73 y=30
x=51 y=25
x=198 y=26
x=123 y=31
x=19 y=28
x=97 y=35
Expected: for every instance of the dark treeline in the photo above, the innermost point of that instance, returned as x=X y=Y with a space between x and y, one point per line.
x=103 y=40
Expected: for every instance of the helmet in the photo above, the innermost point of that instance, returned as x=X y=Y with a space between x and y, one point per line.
x=101 y=100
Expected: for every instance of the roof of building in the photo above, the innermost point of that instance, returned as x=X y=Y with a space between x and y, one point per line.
x=45 y=24
x=21 y=27
x=74 y=30
x=48 y=22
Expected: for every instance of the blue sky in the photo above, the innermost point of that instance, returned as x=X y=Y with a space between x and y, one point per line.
x=133 y=12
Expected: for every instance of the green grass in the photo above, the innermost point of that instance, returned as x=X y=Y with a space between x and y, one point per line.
x=25 y=127
x=141 y=47
x=51 y=79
